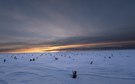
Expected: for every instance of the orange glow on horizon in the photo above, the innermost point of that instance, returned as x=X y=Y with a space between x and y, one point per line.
x=59 y=48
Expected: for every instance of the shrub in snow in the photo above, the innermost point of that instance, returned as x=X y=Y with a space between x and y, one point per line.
x=91 y=62
x=112 y=55
x=15 y=57
x=33 y=59
x=4 y=60
x=30 y=59
x=74 y=74
x=56 y=58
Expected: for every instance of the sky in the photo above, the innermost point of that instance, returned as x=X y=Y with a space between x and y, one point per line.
x=66 y=25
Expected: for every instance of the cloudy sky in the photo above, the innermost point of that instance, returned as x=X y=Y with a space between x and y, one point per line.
x=56 y=25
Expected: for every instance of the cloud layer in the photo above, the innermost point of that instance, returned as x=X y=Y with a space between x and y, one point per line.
x=29 y=24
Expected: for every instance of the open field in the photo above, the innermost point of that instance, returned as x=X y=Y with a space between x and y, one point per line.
x=93 y=67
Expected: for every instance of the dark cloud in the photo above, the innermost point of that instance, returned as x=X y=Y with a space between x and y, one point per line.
x=26 y=23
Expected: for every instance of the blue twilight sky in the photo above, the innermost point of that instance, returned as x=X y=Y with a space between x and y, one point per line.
x=32 y=23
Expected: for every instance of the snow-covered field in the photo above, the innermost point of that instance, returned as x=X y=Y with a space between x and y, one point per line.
x=108 y=67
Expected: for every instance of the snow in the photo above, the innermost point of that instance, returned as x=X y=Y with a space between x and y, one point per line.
x=108 y=67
